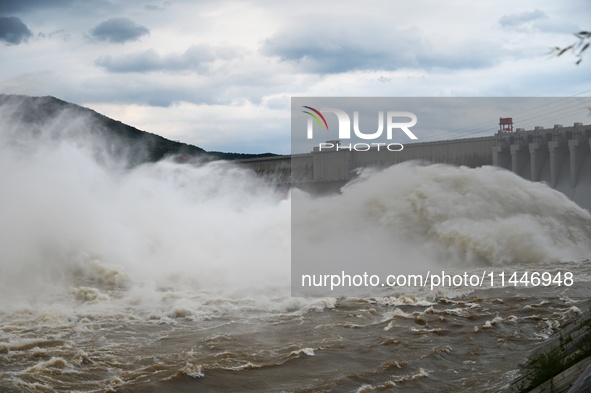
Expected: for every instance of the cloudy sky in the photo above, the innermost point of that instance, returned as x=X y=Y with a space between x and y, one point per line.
x=220 y=74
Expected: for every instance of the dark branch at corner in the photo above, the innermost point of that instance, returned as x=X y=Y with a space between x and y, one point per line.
x=578 y=48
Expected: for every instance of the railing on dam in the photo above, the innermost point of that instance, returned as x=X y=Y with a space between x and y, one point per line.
x=559 y=156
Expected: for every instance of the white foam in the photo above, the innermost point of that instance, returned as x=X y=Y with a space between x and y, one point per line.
x=429 y=217
x=194 y=371
x=171 y=240
x=305 y=351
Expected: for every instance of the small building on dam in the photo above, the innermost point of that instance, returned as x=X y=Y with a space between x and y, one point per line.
x=559 y=156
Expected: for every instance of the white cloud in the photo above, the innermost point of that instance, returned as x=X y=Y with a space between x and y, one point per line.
x=235 y=64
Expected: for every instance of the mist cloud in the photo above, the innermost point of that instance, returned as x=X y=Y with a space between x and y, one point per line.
x=510 y=20
x=350 y=45
x=529 y=21
x=194 y=58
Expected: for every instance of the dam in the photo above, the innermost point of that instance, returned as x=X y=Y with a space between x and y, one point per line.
x=560 y=156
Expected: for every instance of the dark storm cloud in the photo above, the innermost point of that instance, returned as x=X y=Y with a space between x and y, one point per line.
x=195 y=58
x=13 y=31
x=15 y=6
x=118 y=30
x=334 y=47
x=81 y=8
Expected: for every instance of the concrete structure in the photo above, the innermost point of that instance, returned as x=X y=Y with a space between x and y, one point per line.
x=339 y=166
x=559 y=156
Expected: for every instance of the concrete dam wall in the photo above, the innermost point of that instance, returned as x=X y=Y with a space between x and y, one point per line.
x=559 y=156
x=332 y=165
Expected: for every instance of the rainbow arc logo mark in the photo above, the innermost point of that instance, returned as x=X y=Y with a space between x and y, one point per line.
x=317 y=112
